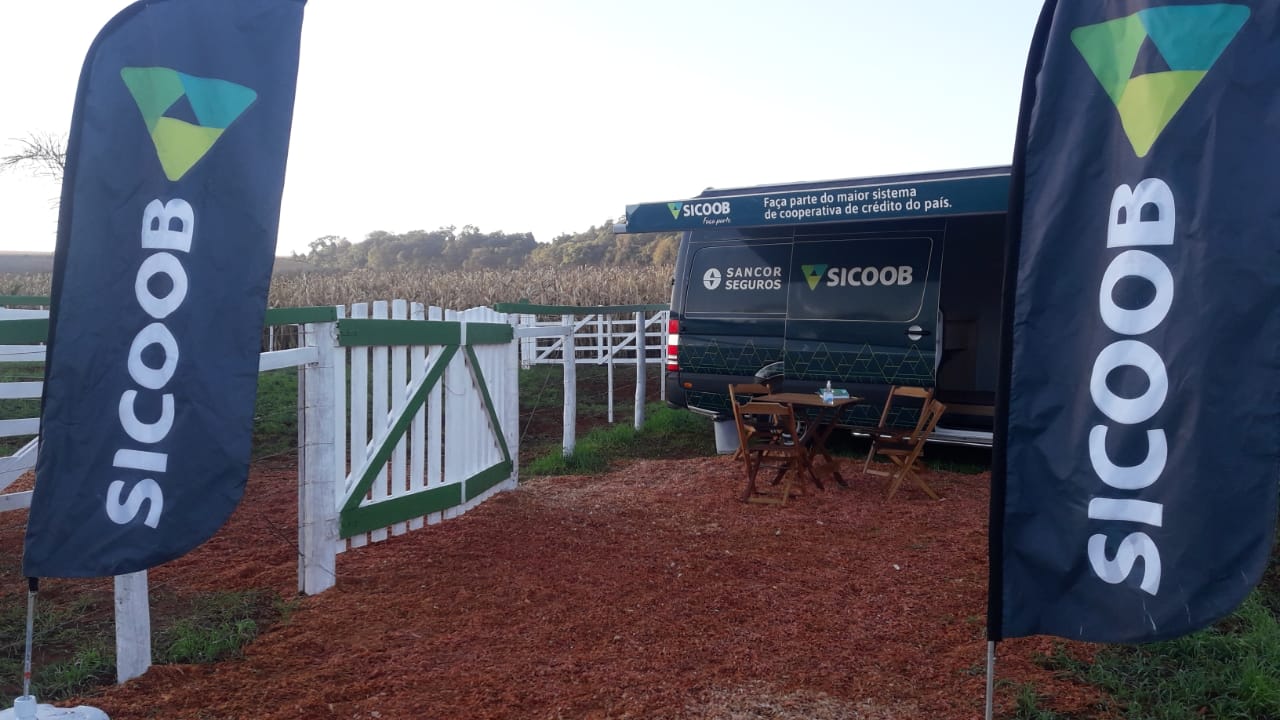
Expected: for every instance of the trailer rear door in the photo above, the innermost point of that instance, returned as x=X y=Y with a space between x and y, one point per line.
x=864 y=308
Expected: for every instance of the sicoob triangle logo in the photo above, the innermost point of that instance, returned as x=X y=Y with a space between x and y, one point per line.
x=1189 y=38
x=215 y=104
x=813 y=274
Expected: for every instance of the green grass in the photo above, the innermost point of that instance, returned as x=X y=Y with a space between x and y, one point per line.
x=542 y=390
x=275 y=414
x=665 y=433
x=90 y=667
x=73 y=642
x=542 y=407
x=218 y=626
x=20 y=408
x=1027 y=705
x=75 y=635
x=1228 y=671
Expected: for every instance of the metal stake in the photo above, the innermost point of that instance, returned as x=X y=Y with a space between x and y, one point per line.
x=33 y=587
x=991 y=676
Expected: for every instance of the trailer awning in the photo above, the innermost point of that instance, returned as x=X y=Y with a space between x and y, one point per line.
x=839 y=202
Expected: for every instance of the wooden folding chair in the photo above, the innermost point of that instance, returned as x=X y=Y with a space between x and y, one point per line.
x=904 y=452
x=767 y=437
x=748 y=391
x=891 y=427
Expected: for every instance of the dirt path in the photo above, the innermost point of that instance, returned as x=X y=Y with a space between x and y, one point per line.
x=650 y=592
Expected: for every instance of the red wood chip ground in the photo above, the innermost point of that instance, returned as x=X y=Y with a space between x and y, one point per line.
x=649 y=592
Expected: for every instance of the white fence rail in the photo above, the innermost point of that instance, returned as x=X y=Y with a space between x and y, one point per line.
x=599 y=338
x=602 y=335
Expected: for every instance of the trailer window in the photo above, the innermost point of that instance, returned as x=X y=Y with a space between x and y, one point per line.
x=861 y=278
x=738 y=280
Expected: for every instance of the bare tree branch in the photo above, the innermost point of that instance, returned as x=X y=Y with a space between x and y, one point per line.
x=41 y=154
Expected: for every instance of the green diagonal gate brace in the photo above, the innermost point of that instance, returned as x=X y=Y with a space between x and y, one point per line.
x=354 y=519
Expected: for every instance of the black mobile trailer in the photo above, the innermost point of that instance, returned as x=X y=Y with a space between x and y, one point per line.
x=866 y=282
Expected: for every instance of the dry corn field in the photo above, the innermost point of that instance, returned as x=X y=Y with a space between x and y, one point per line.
x=457 y=289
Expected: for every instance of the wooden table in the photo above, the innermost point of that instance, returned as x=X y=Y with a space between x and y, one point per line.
x=817 y=429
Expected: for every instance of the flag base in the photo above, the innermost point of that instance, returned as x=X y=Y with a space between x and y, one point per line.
x=25 y=708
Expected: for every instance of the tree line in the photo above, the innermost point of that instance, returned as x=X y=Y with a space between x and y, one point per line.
x=446 y=248
x=471 y=249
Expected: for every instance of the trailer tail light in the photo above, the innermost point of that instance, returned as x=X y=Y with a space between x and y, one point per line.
x=673 y=345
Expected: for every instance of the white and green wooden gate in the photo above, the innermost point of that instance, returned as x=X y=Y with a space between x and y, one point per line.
x=23 y=333
x=410 y=417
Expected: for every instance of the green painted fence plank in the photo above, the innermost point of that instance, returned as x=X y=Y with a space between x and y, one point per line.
x=36 y=330
x=350 y=332
x=532 y=309
x=355 y=521
x=480 y=482
x=24 y=300
x=489 y=333
x=361 y=332
x=27 y=331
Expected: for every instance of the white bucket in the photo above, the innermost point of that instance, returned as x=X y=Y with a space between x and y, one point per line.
x=726 y=437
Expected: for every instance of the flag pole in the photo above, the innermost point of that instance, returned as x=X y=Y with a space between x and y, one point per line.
x=25 y=706
x=999 y=447
x=991 y=677
x=33 y=588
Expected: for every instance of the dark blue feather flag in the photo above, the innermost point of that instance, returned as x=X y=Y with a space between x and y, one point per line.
x=166 y=236
x=1139 y=434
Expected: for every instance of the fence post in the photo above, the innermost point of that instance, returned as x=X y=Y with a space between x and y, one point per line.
x=133 y=626
x=569 y=360
x=319 y=467
x=510 y=415
x=663 y=326
x=435 y=421
x=609 y=359
x=641 y=352
x=529 y=345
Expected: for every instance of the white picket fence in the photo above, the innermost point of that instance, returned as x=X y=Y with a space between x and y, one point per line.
x=427 y=401
x=599 y=338
x=601 y=335
x=132 y=611
x=407 y=416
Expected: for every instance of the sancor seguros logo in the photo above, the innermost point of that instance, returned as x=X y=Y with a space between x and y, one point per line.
x=1187 y=39
x=185 y=114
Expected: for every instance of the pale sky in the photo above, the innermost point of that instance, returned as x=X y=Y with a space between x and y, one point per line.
x=549 y=116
